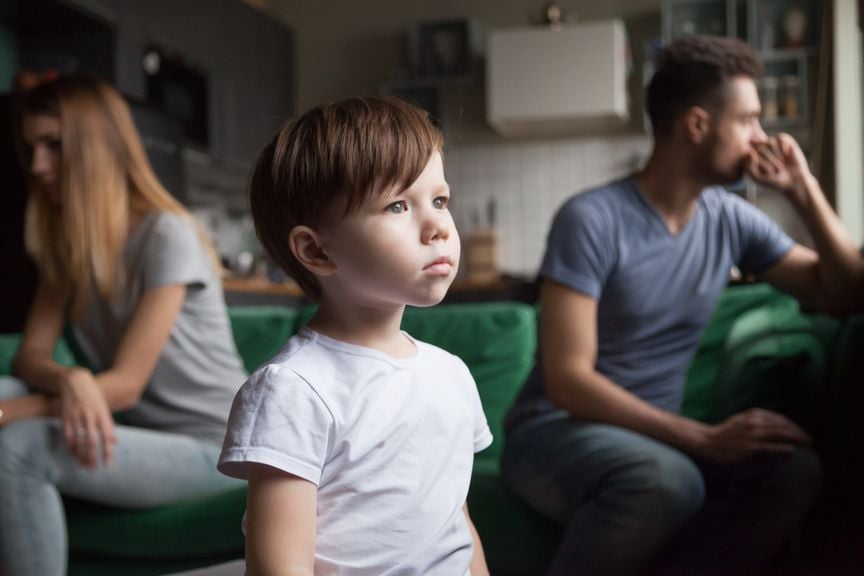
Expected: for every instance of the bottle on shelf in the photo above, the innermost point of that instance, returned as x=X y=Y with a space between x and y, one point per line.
x=790 y=90
x=770 y=104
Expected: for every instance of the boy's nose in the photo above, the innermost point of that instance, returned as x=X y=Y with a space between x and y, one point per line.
x=436 y=227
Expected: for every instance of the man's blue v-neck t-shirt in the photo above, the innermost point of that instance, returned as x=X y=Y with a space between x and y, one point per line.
x=655 y=290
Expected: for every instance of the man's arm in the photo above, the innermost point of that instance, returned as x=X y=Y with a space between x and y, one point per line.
x=281 y=518
x=831 y=278
x=569 y=336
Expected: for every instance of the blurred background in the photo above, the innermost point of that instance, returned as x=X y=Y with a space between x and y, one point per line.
x=537 y=100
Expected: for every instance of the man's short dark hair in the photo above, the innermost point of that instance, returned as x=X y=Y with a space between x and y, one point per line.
x=694 y=71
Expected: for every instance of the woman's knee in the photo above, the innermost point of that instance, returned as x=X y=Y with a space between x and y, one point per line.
x=12 y=388
x=26 y=447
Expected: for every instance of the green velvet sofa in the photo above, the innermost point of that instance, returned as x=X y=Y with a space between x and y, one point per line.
x=759 y=349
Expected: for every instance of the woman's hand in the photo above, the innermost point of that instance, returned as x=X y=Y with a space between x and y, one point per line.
x=87 y=421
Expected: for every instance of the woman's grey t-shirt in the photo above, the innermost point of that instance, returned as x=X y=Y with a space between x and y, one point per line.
x=199 y=370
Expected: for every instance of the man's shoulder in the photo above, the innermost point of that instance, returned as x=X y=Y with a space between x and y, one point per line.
x=717 y=201
x=600 y=205
x=718 y=195
x=612 y=192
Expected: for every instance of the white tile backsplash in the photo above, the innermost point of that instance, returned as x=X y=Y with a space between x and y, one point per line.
x=529 y=181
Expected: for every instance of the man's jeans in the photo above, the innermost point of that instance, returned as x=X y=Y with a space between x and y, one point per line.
x=630 y=504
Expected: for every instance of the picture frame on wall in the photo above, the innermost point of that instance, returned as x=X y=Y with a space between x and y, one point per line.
x=443 y=50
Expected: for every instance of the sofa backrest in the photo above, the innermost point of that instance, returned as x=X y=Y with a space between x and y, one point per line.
x=759 y=350
x=259 y=331
x=496 y=340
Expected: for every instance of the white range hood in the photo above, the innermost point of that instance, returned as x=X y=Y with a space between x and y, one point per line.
x=542 y=81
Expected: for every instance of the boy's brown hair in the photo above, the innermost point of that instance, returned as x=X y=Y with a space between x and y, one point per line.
x=694 y=71
x=333 y=155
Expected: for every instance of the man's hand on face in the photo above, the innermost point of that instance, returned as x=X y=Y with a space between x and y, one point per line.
x=779 y=162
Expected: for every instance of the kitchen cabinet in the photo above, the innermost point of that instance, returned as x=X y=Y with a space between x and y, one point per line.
x=683 y=17
x=544 y=81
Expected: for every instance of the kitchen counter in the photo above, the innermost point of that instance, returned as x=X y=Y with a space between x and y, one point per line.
x=257 y=290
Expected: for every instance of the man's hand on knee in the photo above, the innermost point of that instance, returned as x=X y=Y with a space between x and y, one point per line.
x=751 y=432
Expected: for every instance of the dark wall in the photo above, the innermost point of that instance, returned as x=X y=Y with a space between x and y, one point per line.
x=249 y=62
x=19 y=273
x=55 y=35
x=247 y=56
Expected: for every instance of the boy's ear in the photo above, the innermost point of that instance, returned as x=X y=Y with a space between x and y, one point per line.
x=697 y=124
x=305 y=244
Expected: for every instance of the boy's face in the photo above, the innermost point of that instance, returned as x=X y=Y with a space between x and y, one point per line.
x=397 y=248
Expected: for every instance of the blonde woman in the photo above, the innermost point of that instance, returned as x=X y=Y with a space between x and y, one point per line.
x=121 y=262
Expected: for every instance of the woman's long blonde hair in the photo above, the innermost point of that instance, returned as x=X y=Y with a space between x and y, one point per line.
x=105 y=178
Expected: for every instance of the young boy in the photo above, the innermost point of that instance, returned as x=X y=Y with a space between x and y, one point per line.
x=357 y=440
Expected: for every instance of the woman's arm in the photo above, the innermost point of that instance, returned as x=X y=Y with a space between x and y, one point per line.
x=87 y=401
x=30 y=406
x=281 y=519
x=33 y=363
x=141 y=345
x=478 y=560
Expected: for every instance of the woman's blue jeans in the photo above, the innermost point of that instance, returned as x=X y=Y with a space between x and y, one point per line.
x=149 y=468
x=631 y=505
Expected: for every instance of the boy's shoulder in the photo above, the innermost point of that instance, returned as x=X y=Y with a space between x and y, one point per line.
x=436 y=354
x=321 y=362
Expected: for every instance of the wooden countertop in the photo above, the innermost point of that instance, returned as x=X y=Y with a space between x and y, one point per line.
x=257 y=285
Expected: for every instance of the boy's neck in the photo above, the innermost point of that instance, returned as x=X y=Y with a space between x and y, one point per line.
x=363 y=326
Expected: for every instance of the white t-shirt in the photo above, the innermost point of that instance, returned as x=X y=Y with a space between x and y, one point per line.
x=389 y=442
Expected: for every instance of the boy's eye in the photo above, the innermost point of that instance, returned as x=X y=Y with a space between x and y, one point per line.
x=441 y=202
x=55 y=144
x=397 y=207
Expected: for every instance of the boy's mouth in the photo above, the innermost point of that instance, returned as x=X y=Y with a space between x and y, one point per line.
x=441 y=265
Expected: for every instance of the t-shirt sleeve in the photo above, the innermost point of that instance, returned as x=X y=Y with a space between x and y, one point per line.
x=762 y=243
x=279 y=420
x=579 y=248
x=174 y=254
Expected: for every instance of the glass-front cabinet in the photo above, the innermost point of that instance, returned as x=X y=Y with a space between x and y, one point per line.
x=785 y=34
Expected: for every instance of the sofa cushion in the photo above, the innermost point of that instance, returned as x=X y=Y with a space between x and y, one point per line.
x=515 y=539
x=758 y=350
x=199 y=528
